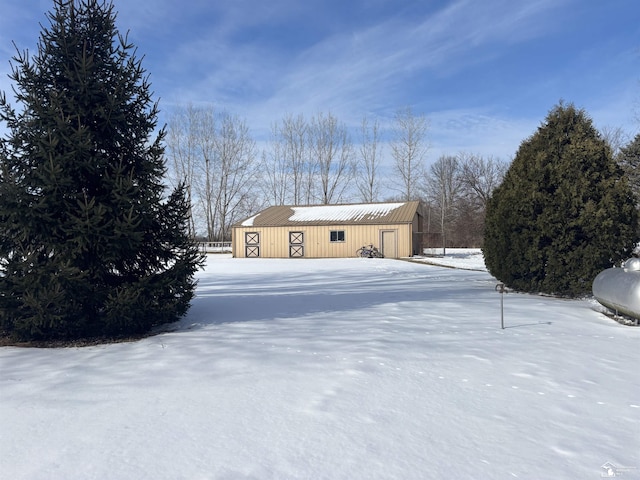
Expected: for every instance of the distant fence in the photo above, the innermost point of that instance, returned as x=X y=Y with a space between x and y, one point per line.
x=215 y=247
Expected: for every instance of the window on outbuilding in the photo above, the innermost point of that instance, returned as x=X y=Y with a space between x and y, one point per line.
x=336 y=236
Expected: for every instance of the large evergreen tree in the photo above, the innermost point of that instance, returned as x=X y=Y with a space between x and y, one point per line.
x=563 y=212
x=89 y=246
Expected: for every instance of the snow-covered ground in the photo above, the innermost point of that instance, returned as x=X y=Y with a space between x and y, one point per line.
x=336 y=369
x=466 y=258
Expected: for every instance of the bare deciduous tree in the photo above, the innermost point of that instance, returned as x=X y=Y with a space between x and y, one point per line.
x=615 y=137
x=204 y=128
x=215 y=155
x=235 y=170
x=369 y=160
x=292 y=136
x=275 y=175
x=480 y=176
x=331 y=148
x=443 y=191
x=408 y=149
x=181 y=150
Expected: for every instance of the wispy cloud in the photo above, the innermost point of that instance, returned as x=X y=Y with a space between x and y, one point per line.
x=484 y=73
x=478 y=132
x=373 y=68
x=367 y=68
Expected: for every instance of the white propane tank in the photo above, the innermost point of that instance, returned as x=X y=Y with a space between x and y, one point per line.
x=619 y=288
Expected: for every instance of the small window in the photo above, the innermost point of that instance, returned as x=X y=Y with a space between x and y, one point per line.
x=336 y=236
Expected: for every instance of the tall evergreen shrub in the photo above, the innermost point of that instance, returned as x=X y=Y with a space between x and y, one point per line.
x=563 y=212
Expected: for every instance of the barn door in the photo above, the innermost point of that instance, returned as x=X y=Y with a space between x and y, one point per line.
x=296 y=244
x=389 y=243
x=252 y=244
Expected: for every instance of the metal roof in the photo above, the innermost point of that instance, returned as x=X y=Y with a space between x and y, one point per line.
x=349 y=214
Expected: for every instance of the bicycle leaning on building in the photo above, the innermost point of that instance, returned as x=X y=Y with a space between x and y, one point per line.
x=369 y=251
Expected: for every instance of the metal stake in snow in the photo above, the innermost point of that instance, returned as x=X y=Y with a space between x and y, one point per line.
x=500 y=289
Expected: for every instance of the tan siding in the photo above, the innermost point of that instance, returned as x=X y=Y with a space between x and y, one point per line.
x=274 y=241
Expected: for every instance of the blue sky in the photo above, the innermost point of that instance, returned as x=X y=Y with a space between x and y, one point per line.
x=485 y=73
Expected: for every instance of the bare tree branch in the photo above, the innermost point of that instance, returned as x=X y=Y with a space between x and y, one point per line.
x=408 y=149
x=369 y=160
x=329 y=144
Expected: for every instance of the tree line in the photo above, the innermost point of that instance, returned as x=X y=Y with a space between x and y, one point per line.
x=319 y=160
